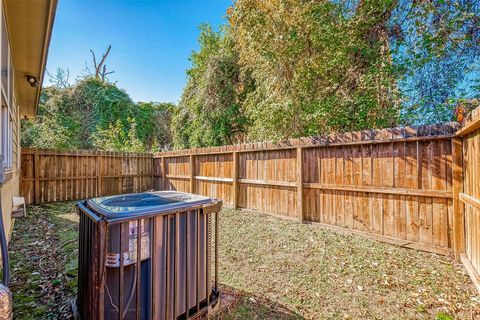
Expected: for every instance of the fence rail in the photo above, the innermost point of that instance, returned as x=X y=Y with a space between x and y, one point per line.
x=54 y=175
x=393 y=184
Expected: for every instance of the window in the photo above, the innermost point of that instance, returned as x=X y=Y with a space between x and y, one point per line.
x=8 y=119
x=4 y=55
x=4 y=124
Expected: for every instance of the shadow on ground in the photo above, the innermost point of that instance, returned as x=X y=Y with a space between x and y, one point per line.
x=237 y=305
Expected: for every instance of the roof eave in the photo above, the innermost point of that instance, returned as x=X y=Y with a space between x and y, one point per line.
x=29 y=26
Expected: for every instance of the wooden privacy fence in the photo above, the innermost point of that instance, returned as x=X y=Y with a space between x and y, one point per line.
x=394 y=184
x=469 y=196
x=418 y=187
x=55 y=175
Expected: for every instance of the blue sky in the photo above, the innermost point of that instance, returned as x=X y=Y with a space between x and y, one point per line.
x=151 y=41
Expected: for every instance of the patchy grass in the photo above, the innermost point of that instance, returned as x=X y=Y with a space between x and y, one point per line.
x=277 y=269
x=43 y=253
x=318 y=274
x=244 y=306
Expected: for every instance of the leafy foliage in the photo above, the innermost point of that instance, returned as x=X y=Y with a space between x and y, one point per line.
x=117 y=137
x=298 y=68
x=93 y=114
x=437 y=46
x=316 y=69
x=210 y=110
x=286 y=68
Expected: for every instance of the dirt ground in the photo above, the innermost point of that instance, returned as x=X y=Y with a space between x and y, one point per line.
x=269 y=269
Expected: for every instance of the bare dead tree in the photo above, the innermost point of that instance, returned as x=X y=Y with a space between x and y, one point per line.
x=101 y=68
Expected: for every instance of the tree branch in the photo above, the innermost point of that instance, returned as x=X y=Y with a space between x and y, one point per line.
x=94 y=60
x=101 y=68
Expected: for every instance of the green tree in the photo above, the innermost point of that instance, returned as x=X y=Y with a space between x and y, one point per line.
x=289 y=68
x=154 y=121
x=53 y=127
x=436 y=45
x=117 y=137
x=210 y=110
x=318 y=66
x=96 y=114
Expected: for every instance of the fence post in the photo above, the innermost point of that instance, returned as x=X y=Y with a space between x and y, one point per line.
x=99 y=175
x=36 y=175
x=300 y=184
x=458 y=207
x=164 y=175
x=192 y=173
x=152 y=171
x=235 y=182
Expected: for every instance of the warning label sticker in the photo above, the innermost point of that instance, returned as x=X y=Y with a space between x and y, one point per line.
x=130 y=257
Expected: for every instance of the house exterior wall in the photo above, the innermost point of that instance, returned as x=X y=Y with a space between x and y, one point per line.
x=25 y=32
x=9 y=190
x=9 y=126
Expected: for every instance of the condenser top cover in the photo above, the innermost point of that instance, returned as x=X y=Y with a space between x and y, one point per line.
x=138 y=204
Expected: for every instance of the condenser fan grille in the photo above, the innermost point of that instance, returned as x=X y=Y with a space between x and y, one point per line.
x=140 y=200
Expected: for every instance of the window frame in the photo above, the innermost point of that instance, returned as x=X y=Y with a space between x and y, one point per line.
x=8 y=118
